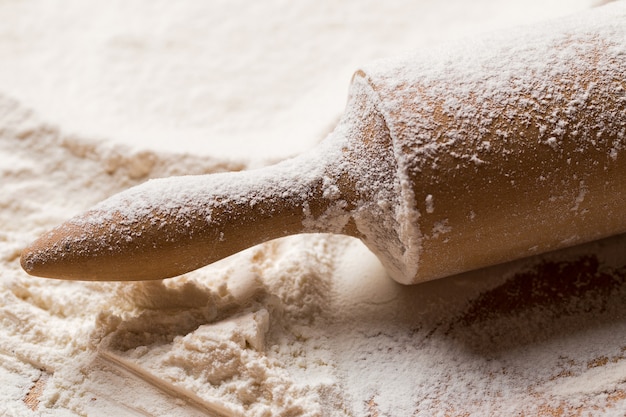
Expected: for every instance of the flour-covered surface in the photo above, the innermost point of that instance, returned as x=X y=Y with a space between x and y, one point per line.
x=95 y=99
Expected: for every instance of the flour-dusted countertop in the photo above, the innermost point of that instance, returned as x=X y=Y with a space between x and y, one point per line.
x=95 y=98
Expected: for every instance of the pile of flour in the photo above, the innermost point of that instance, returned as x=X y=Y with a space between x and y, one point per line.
x=95 y=99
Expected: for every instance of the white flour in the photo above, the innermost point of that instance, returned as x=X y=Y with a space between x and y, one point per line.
x=308 y=325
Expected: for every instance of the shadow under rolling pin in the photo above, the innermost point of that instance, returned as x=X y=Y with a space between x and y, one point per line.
x=490 y=150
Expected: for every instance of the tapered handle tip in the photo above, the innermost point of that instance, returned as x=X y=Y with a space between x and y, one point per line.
x=46 y=256
x=94 y=247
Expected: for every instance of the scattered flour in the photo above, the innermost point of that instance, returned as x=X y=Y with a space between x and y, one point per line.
x=303 y=326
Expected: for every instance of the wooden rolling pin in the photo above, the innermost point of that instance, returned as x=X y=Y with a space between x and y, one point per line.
x=445 y=161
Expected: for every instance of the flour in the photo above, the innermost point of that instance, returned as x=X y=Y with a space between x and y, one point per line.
x=308 y=325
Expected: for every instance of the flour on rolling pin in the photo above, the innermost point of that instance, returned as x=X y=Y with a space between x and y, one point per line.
x=445 y=161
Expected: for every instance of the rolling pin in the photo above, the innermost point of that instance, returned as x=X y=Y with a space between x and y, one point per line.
x=448 y=160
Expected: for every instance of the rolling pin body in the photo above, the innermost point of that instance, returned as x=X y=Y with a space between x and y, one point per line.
x=510 y=145
x=444 y=162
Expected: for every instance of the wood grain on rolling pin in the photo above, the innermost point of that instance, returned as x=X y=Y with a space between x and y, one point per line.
x=512 y=145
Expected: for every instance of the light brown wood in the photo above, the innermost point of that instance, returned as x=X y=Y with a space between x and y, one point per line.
x=441 y=171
